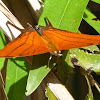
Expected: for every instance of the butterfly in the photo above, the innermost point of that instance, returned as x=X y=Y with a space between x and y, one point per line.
x=45 y=39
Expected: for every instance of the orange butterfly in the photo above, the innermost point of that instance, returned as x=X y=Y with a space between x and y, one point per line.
x=50 y=40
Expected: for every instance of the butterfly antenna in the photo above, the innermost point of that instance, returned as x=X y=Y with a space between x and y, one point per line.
x=30 y=28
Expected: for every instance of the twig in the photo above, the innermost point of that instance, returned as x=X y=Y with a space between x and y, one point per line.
x=2 y=86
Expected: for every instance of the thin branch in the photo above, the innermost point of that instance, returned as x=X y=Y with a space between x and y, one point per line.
x=2 y=87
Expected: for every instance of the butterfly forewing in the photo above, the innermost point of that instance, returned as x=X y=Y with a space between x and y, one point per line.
x=28 y=44
x=69 y=40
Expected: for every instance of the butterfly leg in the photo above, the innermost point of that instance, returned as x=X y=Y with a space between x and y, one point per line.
x=30 y=28
x=8 y=22
x=56 y=54
x=49 y=60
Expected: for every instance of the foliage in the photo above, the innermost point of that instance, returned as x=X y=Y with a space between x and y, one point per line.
x=65 y=15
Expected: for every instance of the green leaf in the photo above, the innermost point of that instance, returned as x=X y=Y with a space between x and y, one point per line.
x=97 y=1
x=64 y=14
x=90 y=19
x=16 y=77
x=50 y=95
x=87 y=60
x=2 y=44
x=92 y=48
x=38 y=71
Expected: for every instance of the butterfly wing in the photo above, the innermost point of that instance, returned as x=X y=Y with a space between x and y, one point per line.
x=30 y=43
x=68 y=40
